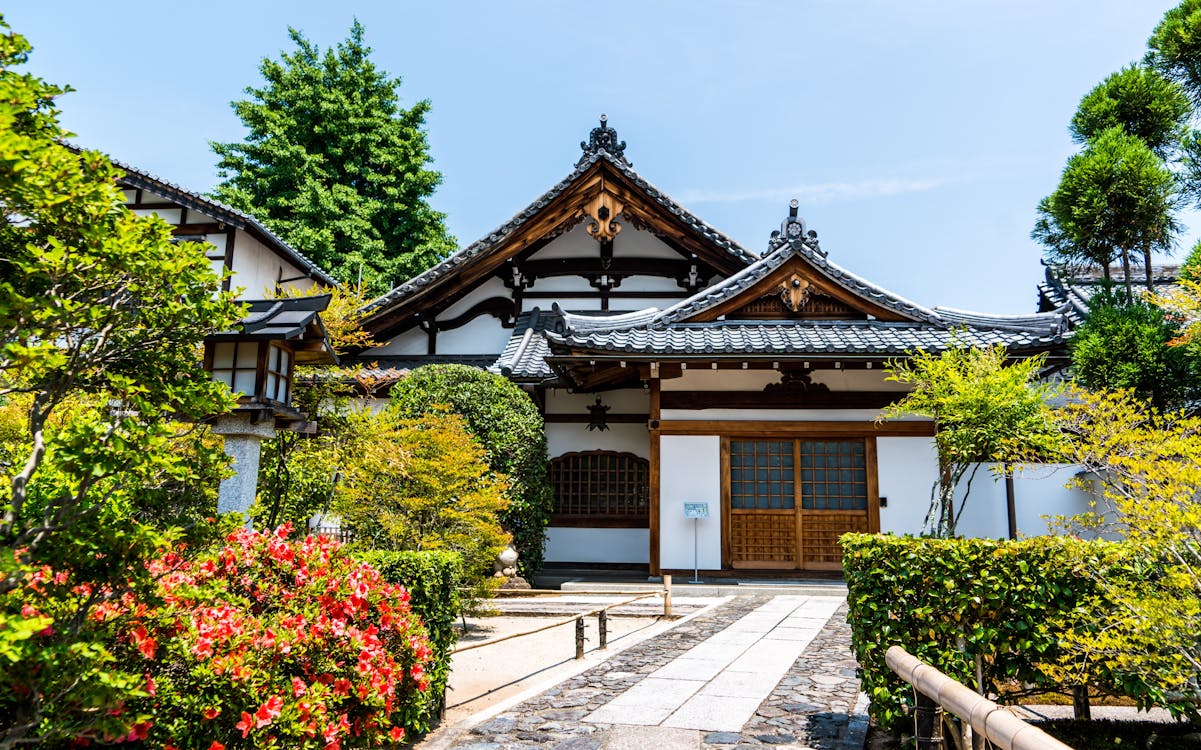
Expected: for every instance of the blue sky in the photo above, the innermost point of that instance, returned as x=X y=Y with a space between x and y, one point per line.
x=919 y=136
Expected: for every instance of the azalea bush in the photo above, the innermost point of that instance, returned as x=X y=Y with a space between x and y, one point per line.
x=262 y=642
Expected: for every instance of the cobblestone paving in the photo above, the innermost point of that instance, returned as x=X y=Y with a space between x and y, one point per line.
x=811 y=706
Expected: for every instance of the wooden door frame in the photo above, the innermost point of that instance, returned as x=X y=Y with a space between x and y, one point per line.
x=801 y=432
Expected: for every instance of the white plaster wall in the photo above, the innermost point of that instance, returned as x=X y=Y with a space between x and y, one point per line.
x=721 y=380
x=630 y=243
x=565 y=438
x=573 y=244
x=564 y=544
x=490 y=288
x=411 y=342
x=568 y=303
x=907 y=468
x=169 y=215
x=690 y=471
x=635 y=243
x=625 y=401
x=564 y=284
x=484 y=335
x=256 y=268
x=857 y=380
x=217 y=241
x=658 y=284
x=1039 y=491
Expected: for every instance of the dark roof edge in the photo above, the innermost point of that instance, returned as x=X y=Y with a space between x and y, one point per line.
x=240 y=219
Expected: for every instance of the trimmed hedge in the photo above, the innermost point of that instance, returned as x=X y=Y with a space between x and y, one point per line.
x=432 y=579
x=947 y=600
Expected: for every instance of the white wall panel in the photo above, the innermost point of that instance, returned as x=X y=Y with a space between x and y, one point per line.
x=907 y=468
x=690 y=471
x=484 y=335
x=582 y=545
x=565 y=438
x=411 y=342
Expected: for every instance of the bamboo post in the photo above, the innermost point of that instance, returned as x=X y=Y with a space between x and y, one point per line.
x=667 y=596
x=602 y=624
x=579 y=637
x=927 y=721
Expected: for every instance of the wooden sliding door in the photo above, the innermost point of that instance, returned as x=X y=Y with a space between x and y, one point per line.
x=788 y=501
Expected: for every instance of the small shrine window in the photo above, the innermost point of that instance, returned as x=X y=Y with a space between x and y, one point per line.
x=600 y=488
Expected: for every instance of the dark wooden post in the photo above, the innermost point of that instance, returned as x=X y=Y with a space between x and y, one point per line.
x=579 y=637
x=602 y=623
x=1080 y=705
x=927 y=720
x=1010 y=504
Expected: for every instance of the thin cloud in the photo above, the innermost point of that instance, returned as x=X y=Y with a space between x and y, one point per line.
x=822 y=192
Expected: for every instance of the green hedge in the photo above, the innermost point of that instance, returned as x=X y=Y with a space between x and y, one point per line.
x=432 y=579
x=947 y=600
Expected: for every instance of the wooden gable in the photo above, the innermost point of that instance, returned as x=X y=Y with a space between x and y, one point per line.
x=797 y=290
x=606 y=201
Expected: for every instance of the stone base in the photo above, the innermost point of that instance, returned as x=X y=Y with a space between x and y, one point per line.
x=515 y=583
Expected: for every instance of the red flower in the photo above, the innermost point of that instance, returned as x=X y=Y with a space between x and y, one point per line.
x=397 y=734
x=262 y=717
x=216 y=746
x=203 y=648
x=211 y=713
x=341 y=686
x=246 y=724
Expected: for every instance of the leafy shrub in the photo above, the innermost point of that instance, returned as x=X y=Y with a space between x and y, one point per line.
x=262 y=642
x=508 y=424
x=432 y=580
x=422 y=484
x=948 y=600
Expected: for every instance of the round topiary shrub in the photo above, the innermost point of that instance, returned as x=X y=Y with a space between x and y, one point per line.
x=506 y=421
x=263 y=642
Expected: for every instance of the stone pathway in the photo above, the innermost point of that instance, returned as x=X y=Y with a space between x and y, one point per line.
x=729 y=677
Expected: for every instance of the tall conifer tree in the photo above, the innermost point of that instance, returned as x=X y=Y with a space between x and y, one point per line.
x=336 y=166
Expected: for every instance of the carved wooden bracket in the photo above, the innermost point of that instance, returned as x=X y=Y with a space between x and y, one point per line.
x=601 y=214
x=795 y=292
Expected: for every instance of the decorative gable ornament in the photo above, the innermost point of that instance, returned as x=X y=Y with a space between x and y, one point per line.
x=603 y=138
x=795 y=292
x=601 y=214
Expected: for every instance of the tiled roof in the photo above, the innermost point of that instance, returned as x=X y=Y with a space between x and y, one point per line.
x=485 y=244
x=794 y=338
x=284 y=318
x=1071 y=290
x=780 y=251
x=228 y=214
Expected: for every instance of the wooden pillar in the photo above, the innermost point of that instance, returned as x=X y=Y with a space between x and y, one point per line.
x=653 y=427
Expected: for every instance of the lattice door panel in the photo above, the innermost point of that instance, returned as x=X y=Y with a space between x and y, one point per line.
x=820 y=549
x=763 y=539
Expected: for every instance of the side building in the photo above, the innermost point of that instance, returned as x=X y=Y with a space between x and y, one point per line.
x=682 y=375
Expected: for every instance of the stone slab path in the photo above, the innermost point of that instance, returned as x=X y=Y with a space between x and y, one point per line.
x=752 y=672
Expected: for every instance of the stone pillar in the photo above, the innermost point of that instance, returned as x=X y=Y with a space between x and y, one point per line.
x=243 y=440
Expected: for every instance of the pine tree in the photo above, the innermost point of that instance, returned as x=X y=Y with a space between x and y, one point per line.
x=335 y=165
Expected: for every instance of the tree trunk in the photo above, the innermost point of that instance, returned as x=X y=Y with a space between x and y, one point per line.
x=1147 y=268
x=1010 y=505
x=1126 y=276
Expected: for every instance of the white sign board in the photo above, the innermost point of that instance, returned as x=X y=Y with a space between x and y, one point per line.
x=696 y=510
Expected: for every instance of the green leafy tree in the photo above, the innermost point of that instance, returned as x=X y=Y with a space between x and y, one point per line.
x=423 y=484
x=1145 y=466
x=1142 y=102
x=1175 y=46
x=336 y=166
x=1190 y=269
x=1115 y=198
x=986 y=410
x=506 y=422
x=1124 y=344
x=101 y=317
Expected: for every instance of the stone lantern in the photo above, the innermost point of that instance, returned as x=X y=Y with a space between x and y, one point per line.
x=257 y=361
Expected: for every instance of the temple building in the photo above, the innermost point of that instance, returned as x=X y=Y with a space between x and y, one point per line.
x=705 y=405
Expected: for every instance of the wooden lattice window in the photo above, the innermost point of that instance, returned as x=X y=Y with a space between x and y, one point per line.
x=604 y=488
x=763 y=474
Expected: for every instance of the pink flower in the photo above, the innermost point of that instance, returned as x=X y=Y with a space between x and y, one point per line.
x=298 y=687
x=246 y=724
